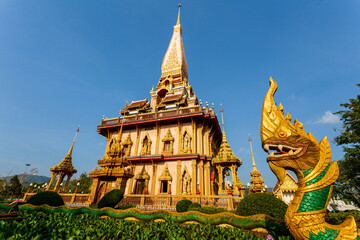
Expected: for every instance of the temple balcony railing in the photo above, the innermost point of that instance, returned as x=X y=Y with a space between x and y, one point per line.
x=70 y=199
x=167 y=201
x=154 y=202
x=158 y=115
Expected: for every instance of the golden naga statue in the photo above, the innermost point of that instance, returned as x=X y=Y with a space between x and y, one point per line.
x=290 y=148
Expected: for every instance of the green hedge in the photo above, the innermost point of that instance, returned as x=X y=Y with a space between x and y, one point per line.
x=85 y=226
x=212 y=210
x=339 y=217
x=111 y=199
x=126 y=206
x=183 y=205
x=48 y=197
x=262 y=203
x=194 y=206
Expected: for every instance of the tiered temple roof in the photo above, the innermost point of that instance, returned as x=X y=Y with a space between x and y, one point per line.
x=66 y=166
x=225 y=154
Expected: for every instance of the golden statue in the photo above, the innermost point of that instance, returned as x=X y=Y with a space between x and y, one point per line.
x=310 y=161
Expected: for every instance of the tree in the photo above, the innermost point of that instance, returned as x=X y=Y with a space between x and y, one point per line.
x=84 y=183
x=347 y=186
x=14 y=188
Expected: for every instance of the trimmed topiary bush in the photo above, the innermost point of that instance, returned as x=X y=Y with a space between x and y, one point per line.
x=183 y=205
x=126 y=206
x=262 y=203
x=194 y=207
x=212 y=210
x=48 y=197
x=111 y=199
x=339 y=217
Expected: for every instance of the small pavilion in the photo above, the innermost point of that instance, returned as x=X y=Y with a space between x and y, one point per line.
x=64 y=168
x=225 y=163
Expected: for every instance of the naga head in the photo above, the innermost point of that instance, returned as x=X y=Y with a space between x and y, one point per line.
x=289 y=147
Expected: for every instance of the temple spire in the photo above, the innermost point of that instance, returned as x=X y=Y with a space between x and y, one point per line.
x=174 y=62
x=252 y=154
x=72 y=146
x=178 y=20
x=222 y=121
x=257 y=183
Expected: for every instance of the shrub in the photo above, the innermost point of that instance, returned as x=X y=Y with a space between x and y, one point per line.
x=126 y=206
x=262 y=203
x=48 y=197
x=183 y=205
x=337 y=218
x=194 y=207
x=111 y=199
x=212 y=210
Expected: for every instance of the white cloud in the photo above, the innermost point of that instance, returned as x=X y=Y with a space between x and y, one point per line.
x=241 y=150
x=328 y=118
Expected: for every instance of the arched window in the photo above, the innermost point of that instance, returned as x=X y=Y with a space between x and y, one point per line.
x=185 y=182
x=142 y=181
x=168 y=142
x=165 y=181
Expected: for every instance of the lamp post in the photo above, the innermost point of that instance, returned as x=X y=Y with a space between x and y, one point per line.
x=77 y=186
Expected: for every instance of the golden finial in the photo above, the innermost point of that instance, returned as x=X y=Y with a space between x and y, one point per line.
x=252 y=154
x=178 y=20
x=222 y=117
x=122 y=124
x=72 y=146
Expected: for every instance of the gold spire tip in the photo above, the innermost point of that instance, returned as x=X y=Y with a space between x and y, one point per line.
x=178 y=20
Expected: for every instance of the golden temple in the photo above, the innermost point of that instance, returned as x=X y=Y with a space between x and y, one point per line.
x=170 y=144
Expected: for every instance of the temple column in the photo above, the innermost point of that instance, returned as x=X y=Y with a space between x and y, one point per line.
x=221 y=177
x=137 y=141
x=179 y=151
x=94 y=189
x=194 y=177
x=59 y=181
x=53 y=176
x=178 y=177
x=200 y=139
x=194 y=142
x=234 y=174
x=207 y=178
x=153 y=181
x=206 y=141
x=157 y=138
x=201 y=177
x=131 y=182
x=67 y=182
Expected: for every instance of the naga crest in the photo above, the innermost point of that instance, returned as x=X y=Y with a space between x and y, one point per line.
x=289 y=147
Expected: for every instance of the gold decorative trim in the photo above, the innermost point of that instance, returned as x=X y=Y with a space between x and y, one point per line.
x=165 y=175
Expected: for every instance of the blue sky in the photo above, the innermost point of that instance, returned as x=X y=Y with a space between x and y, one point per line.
x=65 y=63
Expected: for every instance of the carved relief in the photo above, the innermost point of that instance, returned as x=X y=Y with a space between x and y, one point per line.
x=127 y=144
x=173 y=60
x=186 y=142
x=146 y=146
